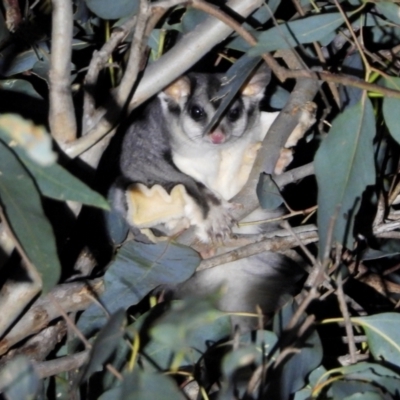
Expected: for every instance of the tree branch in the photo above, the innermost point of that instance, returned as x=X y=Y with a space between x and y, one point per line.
x=61 y=115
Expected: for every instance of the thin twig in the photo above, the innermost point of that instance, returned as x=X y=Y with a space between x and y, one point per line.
x=312 y=259
x=69 y=322
x=276 y=244
x=311 y=296
x=346 y=317
x=97 y=63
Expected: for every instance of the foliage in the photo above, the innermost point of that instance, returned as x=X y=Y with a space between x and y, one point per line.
x=138 y=342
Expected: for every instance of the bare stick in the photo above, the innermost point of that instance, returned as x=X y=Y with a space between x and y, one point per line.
x=275 y=244
x=346 y=317
x=62 y=364
x=136 y=54
x=61 y=115
x=71 y=296
x=294 y=175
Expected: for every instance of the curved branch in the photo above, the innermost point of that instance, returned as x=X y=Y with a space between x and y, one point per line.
x=188 y=50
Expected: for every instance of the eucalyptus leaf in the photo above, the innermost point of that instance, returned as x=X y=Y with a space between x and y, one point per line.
x=377 y=374
x=12 y=63
x=20 y=86
x=364 y=396
x=137 y=269
x=142 y=385
x=113 y=9
x=318 y=376
x=291 y=34
x=382 y=332
x=354 y=66
x=385 y=35
x=23 y=209
x=277 y=97
x=196 y=342
x=34 y=143
x=265 y=12
x=303 y=394
x=268 y=193
x=192 y=18
x=41 y=69
x=391 y=108
x=178 y=328
x=111 y=394
x=238 y=359
x=237 y=365
x=343 y=389
x=390 y=10
x=106 y=342
x=155 y=43
x=344 y=166
x=57 y=183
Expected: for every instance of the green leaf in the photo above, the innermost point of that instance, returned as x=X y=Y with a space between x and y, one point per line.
x=342 y=389
x=268 y=193
x=252 y=351
x=30 y=142
x=156 y=42
x=364 y=396
x=377 y=374
x=20 y=86
x=264 y=13
x=23 y=210
x=141 y=385
x=391 y=107
x=382 y=332
x=390 y=10
x=291 y=34
x=111 y=394
x=344 y=166
x=115 y=9
x=303 y=394
x=184 y=328
x=19 y=380
x=196 y=339
x=57 y=183
x=138 y=269
x=106 y=342
x=192 y=18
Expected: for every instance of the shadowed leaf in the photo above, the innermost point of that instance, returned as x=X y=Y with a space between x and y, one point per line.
x=23 y=209
x=344 y=166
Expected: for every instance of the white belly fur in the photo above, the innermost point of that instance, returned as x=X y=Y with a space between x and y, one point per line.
x=226 y=170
